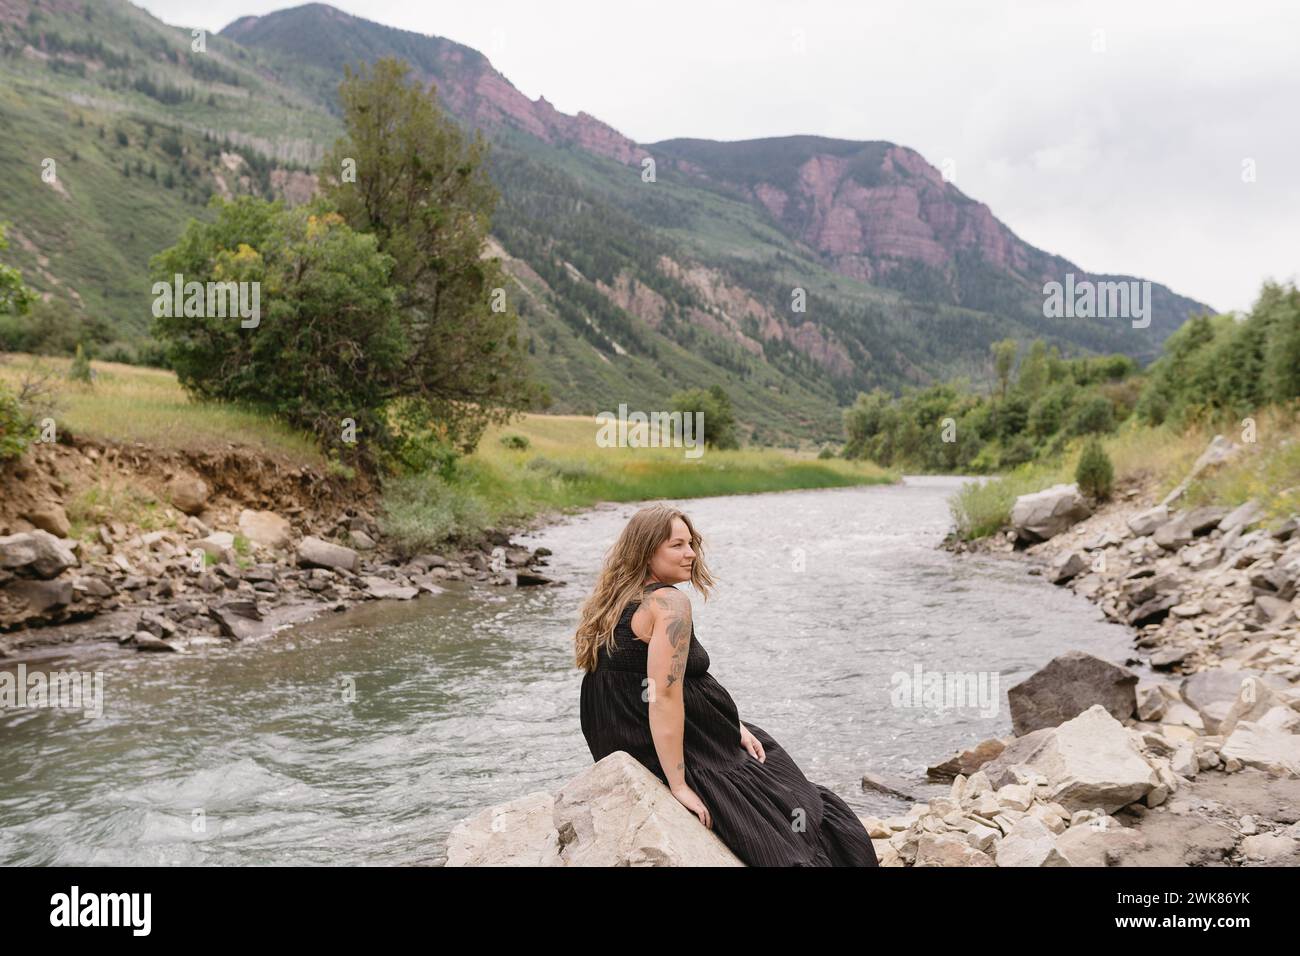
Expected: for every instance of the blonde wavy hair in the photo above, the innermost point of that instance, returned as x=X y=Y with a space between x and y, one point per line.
x=619 y=583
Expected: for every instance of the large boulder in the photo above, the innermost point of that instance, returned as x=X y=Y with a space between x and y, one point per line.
x=188 y=493
x=1146 y=522
x=50 y=517
x=315 y=553
x=36 y=554
x=1090 y=761
x=614 y=813
x=1066 y=687
x=1212 y=692
x=1264 y=748
x=1044 y=514
x=265 y=528
x=40 y=596
x=240 y=619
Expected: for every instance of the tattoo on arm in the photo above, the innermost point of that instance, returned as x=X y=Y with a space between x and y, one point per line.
x=679 y=636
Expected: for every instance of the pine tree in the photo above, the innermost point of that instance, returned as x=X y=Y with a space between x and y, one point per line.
x=1094 y=474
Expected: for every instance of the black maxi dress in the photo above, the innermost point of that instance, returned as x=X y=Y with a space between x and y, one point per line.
x=754 y=805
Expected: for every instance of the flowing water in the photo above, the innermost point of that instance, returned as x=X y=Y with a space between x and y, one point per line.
x=363 y=737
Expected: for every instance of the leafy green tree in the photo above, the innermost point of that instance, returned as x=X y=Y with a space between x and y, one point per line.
x=1004 y=358
x=1093 y=416
x=328 y=340
x=404 y=172
x=719 y=419
x=1033 y=370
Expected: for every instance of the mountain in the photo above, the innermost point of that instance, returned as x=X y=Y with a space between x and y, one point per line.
x=627 y=289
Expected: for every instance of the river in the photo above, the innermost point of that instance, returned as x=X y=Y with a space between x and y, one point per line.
x=363 y=737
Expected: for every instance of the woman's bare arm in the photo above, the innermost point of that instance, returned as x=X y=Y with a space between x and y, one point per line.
x=670 y=642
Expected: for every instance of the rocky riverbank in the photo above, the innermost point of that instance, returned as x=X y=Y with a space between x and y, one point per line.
x=240 y=546
x=1199 y=766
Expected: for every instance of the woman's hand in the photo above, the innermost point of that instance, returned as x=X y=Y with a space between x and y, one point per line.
x=750 y=743
x=691 y=801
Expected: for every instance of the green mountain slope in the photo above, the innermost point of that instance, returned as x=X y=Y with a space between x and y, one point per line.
x=628 y=289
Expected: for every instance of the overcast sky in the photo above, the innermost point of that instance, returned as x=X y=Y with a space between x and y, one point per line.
x=1119 y=135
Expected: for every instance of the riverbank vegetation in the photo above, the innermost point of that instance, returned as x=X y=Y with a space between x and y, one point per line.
x=1229 y=375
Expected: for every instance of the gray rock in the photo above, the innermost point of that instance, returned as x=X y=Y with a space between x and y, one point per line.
x=1202 y=520
x=1067 y=686
x=313 y=552
x=1212 y=692
x=615 y=813
x=1241 y=517
x=526 y=579
x=949 y=849
x=1168 y=657
x=380 y=588
x=35 y=554
x=1264 y=748
x=156 y=625
x=1107 y=844
x=1029 y=843
x=1273 y=610
x=1068 y=564
x=967 y=762
x=41 y=596
x=239 y=620
x=1090 y=761
x=1044 y=514
x=1154 y=610
x=144 y=641
x=890 y=786
x=1146 y=522
x=1172 y=535
x=265 y=528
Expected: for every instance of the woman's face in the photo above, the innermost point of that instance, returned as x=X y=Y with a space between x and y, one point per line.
x=671 y=562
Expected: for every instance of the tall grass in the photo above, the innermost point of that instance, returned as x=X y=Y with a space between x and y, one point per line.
x=1267 y=470
x=563 y=469
x=129 y=403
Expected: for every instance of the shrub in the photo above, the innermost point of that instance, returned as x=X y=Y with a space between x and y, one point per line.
x=1094 y=474
x=16 y=426
x=79 y=370
x=423 y=512
x=517 y=442
x=1093 y=416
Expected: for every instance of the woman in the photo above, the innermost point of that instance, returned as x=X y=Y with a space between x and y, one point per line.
x=647 y=691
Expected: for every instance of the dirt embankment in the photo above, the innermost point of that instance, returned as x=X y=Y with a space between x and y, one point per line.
x=164 y=550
